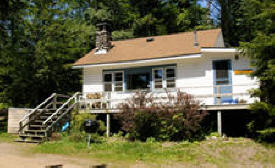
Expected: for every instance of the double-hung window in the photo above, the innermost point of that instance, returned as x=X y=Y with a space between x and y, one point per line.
x=170 y=77
x=113 y=81
x=118 y=81
x=158 y=78
x=164 y=77
x=107 y=79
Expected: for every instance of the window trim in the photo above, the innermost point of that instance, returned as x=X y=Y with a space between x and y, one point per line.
x=154 y=80
x=175 y=77
x=113 y=82
x=164 y=77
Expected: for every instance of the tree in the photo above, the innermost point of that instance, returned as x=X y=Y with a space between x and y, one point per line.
x=230 y=15
x=40 y=39
x=261 y=50
x=43 y=45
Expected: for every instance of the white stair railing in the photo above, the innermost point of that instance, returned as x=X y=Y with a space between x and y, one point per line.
x=69 y=104
x=24 y=121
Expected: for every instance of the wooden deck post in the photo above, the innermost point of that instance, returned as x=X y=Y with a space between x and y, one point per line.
x=54 y=102
x=219 y=118
x=108 y=125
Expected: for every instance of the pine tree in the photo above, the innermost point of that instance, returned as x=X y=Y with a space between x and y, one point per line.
x=261 y=50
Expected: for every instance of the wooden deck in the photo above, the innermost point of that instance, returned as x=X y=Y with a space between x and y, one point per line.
x=221 y=107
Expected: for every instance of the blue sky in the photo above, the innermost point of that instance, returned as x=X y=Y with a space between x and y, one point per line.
x=203 y=3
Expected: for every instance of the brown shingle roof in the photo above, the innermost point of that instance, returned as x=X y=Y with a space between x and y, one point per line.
x=162 y=46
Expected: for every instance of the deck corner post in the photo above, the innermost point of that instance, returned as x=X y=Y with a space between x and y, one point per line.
x=54 y=102
x=108 y=125
x=219 y=123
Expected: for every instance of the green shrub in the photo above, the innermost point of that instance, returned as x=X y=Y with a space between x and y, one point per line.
x=151 y=140
x=96 y=138
x=78 y=134
x=77 y=122
x=176 y=118
x=262 y=124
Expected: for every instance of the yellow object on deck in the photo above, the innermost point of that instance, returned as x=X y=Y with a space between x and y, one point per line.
x=243 y=72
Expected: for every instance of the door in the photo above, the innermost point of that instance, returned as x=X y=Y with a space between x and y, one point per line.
x=222 y=81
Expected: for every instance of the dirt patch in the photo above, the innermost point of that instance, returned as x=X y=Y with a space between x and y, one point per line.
x=15 y=156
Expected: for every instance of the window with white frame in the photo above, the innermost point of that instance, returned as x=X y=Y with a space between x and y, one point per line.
x=164 y=77
x=170 y=77
x=158 y=78
x=118 y=81
x=113 y=81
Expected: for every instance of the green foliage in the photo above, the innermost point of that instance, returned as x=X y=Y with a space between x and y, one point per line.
x=81 y=136
x=3 y=125
x=77 y=122
x=267 y=134
x=40 y=40
x=214 y=153
x=261 y=50
x=5 y=137
x=262 y=123
x=216 y=134
x=3 y=106
x=78 y=134
x=121 y=35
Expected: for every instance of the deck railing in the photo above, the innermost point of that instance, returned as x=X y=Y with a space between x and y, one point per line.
x=110 y=100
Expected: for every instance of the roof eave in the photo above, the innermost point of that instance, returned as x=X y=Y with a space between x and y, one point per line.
x=218 y=49
x=142 y=61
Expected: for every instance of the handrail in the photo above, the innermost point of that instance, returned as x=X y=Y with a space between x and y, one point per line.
x=37 y=107
x=33 y=110
x=60 y=108
x=53 y=123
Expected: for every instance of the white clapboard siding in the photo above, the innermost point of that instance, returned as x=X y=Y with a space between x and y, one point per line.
x=194 y=76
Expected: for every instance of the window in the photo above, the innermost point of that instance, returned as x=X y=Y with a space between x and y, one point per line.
x=138 y=81
x=113 y=81
x=108 y=82
x=222 y=76
x=118 y=82
x=164 y=77
x=170 y=77
x=158 y=78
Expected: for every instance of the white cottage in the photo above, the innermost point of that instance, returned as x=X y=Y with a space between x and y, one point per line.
x=193 y=62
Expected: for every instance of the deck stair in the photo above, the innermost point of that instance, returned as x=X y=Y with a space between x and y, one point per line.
x=38 y=125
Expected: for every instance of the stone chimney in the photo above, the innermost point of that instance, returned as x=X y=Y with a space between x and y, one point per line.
x=196 y=43
x=103 y=38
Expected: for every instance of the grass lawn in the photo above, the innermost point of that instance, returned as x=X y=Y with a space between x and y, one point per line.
x=233 y=152
x=5 y=137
